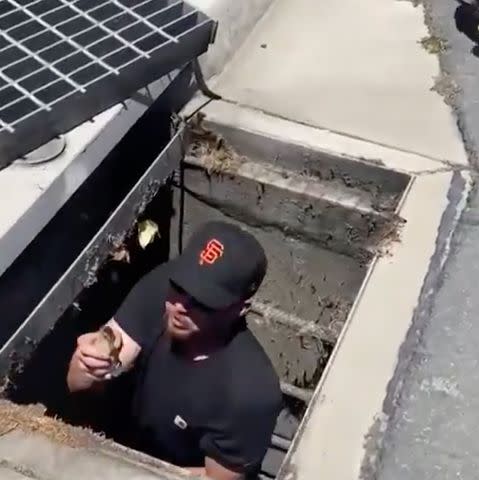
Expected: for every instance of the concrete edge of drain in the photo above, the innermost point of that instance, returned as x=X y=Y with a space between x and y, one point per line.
x=335 y=144
x=36 y=456
x=309 y=457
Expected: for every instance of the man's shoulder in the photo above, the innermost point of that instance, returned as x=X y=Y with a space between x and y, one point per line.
x=255 y=383
x=141 y=313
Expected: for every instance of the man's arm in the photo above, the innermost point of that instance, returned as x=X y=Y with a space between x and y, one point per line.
x=215 y=471
x=90 y=367
x=236 y=440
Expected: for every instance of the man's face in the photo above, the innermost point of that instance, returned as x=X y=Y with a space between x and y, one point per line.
x=187 y=317
x=180 y=326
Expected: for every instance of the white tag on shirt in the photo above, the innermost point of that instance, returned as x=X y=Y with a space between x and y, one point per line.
x=180 y=423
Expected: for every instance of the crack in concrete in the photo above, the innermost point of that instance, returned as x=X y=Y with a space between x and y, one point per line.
x=452 y=168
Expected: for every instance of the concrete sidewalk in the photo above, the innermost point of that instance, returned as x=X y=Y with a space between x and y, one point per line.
x=355 y=68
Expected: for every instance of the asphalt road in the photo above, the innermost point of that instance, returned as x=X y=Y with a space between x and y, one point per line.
x=434 y=430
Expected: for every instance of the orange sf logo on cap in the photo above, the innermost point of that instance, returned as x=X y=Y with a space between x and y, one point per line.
x=212 y=252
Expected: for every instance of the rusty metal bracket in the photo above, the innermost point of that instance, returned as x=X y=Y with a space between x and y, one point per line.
x=201 y=82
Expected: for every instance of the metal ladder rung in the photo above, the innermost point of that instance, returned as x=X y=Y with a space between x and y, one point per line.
x=303 y=394
x=275 y=315
x=281 y=443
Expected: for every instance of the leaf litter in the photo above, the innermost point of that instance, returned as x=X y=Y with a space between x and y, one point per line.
x=433 y=44
x=147 y=232
x=32 y=419
x=216 y=155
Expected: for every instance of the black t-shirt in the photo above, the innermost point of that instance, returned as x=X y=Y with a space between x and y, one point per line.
x=224 y=407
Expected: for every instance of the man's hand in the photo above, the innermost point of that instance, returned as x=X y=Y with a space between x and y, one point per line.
x=93 y=356
x=89 y=364
x=92 y=361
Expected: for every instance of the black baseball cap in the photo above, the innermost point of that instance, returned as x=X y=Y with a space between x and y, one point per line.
x=220 y=266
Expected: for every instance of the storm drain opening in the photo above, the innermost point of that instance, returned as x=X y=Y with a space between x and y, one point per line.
x=321 y=220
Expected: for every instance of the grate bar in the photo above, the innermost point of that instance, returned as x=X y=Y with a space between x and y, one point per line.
x=65 y=37
x=53 y=10
x=6 y=126
x=53 y=50
x=80 y=32
x=59 y=24
x=89 y=45
x=79 y=69
x=41 y=61
x=105 y=28
x=146 y=21
x=25 y=92
x=124 y=65
x=28 y=115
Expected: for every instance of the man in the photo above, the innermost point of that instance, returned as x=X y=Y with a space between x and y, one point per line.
x=206 y=395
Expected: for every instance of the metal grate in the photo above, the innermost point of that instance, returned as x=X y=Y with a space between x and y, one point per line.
x=63 y=61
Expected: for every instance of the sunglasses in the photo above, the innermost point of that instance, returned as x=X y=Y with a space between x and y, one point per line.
x=179 y=295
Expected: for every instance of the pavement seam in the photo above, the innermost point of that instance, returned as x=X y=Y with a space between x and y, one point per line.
x=451 y=168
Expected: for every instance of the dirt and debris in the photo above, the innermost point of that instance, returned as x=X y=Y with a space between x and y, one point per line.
x=336 y=308
x=433 y=44
x=121 y=255
x=445 y=86
x=32 y=419
x=388 y=235
x=119 y=250
x=216 y=155
x=16 y=366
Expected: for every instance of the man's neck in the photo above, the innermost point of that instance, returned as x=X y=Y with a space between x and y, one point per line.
x=202 y=346
x=198 y=348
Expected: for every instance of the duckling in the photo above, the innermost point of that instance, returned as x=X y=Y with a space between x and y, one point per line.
x=110 y=343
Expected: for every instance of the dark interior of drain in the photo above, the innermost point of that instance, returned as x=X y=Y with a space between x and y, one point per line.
x=41 y=378
x=298 y=315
